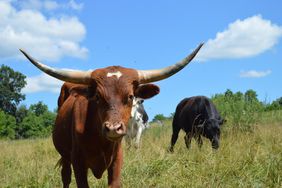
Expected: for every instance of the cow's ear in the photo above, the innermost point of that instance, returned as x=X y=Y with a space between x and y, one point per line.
x=146 y=91
x=222 y=121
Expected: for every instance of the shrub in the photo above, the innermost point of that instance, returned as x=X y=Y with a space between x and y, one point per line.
x=7 y=125
x=241 y=110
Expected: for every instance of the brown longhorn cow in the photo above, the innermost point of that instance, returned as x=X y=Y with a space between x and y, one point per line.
x=94 y=109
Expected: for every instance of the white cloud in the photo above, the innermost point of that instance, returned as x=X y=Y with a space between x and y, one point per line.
x=31 y=4
x=41 y=83
x=45 y=38
x=49 y=5
x=254 y=74
x=242 y=38
x=76 y=6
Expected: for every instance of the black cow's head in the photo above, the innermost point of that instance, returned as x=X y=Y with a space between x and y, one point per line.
x=211 y=130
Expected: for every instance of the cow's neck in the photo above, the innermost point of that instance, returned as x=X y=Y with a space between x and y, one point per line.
x=100 y=152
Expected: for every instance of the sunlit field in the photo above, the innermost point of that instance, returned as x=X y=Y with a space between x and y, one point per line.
x=243 y=160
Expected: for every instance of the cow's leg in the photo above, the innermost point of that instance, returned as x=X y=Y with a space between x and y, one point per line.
x=80 y=171
x=114 y=171
x=188 y=138
x=199 y=141
x=79 y=116
x=66 y=172
x=174 y=137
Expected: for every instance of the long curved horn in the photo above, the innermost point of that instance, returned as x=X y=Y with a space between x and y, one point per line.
x=146 y=76
x=74 y=76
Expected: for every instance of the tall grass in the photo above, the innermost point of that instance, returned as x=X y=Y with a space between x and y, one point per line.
x=244 y=159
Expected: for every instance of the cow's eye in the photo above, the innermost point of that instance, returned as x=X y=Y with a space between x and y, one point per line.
x=97 y=97
x=130 y=98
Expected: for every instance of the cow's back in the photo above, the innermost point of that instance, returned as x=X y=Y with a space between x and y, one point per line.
x=211 y=109
x=66 y=91
x=188 y=112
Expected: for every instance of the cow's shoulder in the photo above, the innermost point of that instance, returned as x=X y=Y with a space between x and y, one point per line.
x=75 y=90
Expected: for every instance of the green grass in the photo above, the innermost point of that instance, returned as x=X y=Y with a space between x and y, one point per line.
x=243 y=160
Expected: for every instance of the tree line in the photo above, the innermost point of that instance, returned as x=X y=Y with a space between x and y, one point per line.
x=18 y=121
x=242 y=110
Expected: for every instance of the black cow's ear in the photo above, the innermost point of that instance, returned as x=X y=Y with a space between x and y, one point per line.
x=146 y=91
x=222 y=121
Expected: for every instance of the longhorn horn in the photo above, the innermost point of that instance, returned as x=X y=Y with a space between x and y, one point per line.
x=147 y=76
x=74 y=76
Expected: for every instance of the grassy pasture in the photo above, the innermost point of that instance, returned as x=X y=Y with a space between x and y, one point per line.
x=243 y=160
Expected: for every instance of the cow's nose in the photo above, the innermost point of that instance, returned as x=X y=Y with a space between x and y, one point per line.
x=108 y=126
x=215 y=143
x=120 y=128
x=115 y=129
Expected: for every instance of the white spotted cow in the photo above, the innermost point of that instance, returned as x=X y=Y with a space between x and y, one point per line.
x=137 y=123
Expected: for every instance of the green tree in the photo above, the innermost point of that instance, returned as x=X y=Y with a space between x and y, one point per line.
x=238 y=96
x=242 y=111
x=31 y=126
x=275 y=105
x=251 y=96
x=159 y=117
x=48 y=121
x=11 y=84
x=278 y=103
x=37 y=123
x=279 y=100
x=7 y=125
x=21 y=113
x=228 y=94
x=39 y=108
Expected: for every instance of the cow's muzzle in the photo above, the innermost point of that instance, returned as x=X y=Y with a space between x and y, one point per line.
x=215 y=143
x=114 y=131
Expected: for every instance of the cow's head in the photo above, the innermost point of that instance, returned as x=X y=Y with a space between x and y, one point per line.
x=137 y=102
x=114 y=88
x=138 y=113
x=211 y=130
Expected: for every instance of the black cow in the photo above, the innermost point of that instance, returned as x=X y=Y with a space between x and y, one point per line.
x=196 y=116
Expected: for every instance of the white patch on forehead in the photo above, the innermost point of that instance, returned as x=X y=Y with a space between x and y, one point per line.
x=117 y=74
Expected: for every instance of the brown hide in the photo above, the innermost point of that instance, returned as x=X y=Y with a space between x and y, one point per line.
x=79 y=132
x=66 y=89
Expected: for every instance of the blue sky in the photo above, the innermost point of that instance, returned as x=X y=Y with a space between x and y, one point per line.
x=242 y=49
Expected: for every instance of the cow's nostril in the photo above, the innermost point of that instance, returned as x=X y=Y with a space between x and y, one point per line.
x=119 y=128
x=107 y=129
x=114 y=130
x=107 y=126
